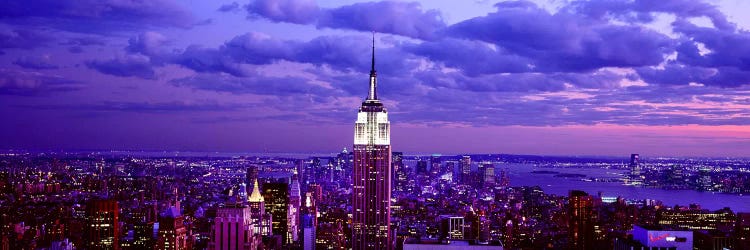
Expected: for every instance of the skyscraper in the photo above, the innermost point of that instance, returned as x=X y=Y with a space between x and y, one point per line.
x=293 y=211
x=172 y=232
x=582 y=220
x=261 y=220
x=276 y=198
x=233 y=229
x=102 y=229
x=466 y=169
x=371 y=194
x=400 y=176
x=636 y=177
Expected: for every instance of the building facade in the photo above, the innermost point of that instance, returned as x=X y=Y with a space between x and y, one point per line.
x=233 y=229
x=102 y=228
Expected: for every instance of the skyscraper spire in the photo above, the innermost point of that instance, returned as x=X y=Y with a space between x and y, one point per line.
x=373 y=93
x=372 y=68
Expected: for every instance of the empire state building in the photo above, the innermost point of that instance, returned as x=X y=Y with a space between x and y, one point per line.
x=371 y=196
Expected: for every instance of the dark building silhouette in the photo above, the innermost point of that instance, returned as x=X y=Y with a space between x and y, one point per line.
x=102 y=225
x=581 y=220
x=276 y=198
x=172 y=232
x=742 y=231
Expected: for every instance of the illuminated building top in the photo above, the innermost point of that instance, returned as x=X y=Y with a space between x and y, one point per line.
x=255 y=196
x=372 y=126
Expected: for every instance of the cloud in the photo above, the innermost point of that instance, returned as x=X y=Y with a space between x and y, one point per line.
x=127 y=66
x=39 y=63
x=96 y=16
x=77 y=43
x=13 y=38
x=472 y=57
x=393 y=17
x=203 y=60
x=256 y=84
x=343 y=53
x=642 y=10
x=258 y=48
x=564 y=41
x=722 y=47
x=147 y=43
x=709 y=56
x=230 y=7
x=26 y=83
x=146 y=107
x=292 y=11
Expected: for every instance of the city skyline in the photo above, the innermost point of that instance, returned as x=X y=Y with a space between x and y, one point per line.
x=584 y=78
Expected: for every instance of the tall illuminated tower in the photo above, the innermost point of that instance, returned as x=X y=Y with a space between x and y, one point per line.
x=371 y=196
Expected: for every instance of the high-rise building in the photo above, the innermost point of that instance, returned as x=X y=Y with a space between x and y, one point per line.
x=421 y=167
x=294 y=209
x=102 y=227
x=233 y=229
x=400 y=174
x=581 y=220
x=261 y=220
x=308 y=232
x=435 y=162
x=742 y=231
x=309 y=220
x=276 y=198
x=330 y=236
x=251 y=176
x=172 y=233
x=451 y=227
x=695 y=218
x=489 y=175
x=466 y=169
x=636 y=175
x=371 y=194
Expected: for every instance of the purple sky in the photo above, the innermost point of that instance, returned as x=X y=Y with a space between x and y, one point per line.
x=609 y=77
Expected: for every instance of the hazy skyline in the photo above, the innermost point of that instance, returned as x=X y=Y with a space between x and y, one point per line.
x=522 y=77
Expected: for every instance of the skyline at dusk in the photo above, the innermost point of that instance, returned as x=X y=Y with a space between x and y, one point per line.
x=548 y=77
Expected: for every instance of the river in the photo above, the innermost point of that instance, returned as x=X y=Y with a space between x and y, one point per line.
x=521 y=175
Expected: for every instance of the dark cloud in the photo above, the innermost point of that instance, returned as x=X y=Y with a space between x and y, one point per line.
x=256 y=84
x=33 y=83
x=85 y=41
x=342 y=53
x=230 y=7
x=642 y=10
x=147 y=43
x=258 y=48
x=96 y=16
x=400 y=18
x=22 y=38
x=705 y=55
x=202 y=60
x=521 y=82
x=564 y=41
x=75 y=49
x=393 y=17
x=40 y=63
x=78 y=43
x=145 y=107
x=292 y=11
x=725 y=48
x=472 y=57
x=127 y=66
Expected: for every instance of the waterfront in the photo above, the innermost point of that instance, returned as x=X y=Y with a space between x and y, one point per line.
x=521 y=175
